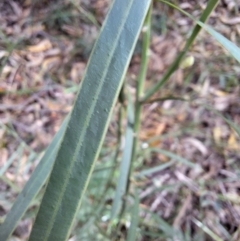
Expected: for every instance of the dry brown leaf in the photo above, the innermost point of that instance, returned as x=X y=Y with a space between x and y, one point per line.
x=22 y=166
x=52 y=52
x=51 y=62
x=159 y=45
x=10 y=176
x=181 y=117
x=7 y=69
x=40 y=47
x=231 y=21
x=32 y=29
x=3 y=156
x=178 y=76
x=2 y=91
x=221 y=104
x=53 y=105
x=217 y=134
x=155 y=143
x=185 y=5
x=3 y=53
x=197 y=144
x=233 y=197
x=72 y=31
x=17 y=10
x=182 y=21
x=156 y=130
x=162 y=157
x=146 y=134
x=232 y=142
x=77 y=71
x=155 y=63
x=35 y=60
x=231 y=5
x=205 y=88
x=160 y=128
x=238 y=30
x=220 y=93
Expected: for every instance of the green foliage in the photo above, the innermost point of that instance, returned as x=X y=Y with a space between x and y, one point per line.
x=33 y=186
x=68 y=162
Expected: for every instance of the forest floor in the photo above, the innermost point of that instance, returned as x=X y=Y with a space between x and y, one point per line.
x=44 y=49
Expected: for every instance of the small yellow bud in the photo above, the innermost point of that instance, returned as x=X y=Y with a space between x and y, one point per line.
x=187 y=62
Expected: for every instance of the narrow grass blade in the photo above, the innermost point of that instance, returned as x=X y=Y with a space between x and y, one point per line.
x=207 y=230
x=167 y=98
x=32 y=156
x=233 y=125
x=167 y=229
x=227 y=44
x=11 y=184
x=89 y=119
x=125 y=165
x=32 y=187
x=210 y=6
x=13 y=157
x=176 y=157
x=132 y=232
x=153 y=170
x=85 y=13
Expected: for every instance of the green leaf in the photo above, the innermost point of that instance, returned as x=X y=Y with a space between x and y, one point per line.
x=227 y=44
x=207 y=230
x=89 y=119
x=153 y=170
x=233 y=125
x=174 y=66
x=8 y=163
x=32 y=187
x=168 y=230
x=176 y=157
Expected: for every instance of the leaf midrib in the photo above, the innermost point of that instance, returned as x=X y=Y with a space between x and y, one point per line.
x=87 y=121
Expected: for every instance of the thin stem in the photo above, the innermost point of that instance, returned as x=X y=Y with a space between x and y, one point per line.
x=206 y=13
x=88 y=15
x=140 y=82
x=119 y=137
x=167 y=98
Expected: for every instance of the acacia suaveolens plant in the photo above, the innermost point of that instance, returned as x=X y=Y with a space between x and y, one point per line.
x=69 y=160
x=74 y=152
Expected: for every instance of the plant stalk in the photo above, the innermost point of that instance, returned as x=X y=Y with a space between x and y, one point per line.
x=210 y=7
x=140 y=83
